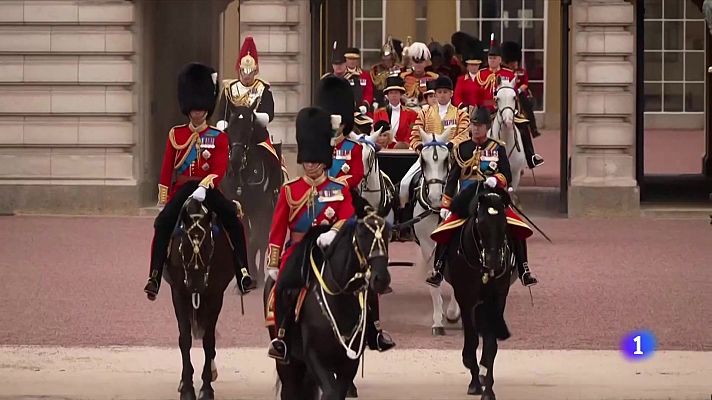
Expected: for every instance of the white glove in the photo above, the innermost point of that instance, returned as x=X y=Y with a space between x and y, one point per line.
x=444 y=213
x=363 y=109
x=325 y=239
x=262 y=118
x=491 y=182
x=375 y=105
x=272 y=272
x=199 y=194
x=222 y=125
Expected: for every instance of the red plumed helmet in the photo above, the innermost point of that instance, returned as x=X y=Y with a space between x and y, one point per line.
x=247 y=60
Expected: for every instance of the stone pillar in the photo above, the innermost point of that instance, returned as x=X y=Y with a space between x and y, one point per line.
x=603 y=109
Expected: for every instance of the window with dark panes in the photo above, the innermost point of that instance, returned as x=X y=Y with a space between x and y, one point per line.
x=368 y=32
x=421 y=21
x=674 y=57
x=522 y=21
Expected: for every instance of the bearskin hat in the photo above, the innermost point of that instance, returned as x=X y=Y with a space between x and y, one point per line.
x=469 y=47
x=511 y=51
x=197 y=88
x=314 y=136
x=334 y=95
x=436 y=50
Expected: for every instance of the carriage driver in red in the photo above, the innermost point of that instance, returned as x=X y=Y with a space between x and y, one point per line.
x=194 y=163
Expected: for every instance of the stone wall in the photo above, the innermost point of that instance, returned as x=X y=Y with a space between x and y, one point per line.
x=67 y=104
x=603 y=109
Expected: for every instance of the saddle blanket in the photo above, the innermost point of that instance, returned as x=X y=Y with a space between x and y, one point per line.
x=269 y=320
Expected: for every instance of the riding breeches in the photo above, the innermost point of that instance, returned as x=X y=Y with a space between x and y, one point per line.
x=527 y=143
x=405 y=183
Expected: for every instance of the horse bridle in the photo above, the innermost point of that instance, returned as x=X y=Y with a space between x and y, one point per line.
x=424 y=190
x=371 y=161
x=196 y=243
x=479 y=247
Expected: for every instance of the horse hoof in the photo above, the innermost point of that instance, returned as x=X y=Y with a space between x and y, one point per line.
x=438 y=331
x=474 y=389
x=187 y=392
x=488 y=396
x=206 y=394
x=452 y=320
x=352 y=392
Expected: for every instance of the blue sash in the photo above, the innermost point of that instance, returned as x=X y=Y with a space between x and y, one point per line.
x=193 y=153
x=337 y=164
x=304 y=221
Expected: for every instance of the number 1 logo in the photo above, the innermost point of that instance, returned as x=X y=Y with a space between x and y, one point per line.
x=638 y=345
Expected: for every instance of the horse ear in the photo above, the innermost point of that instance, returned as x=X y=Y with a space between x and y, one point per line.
x=373 y=136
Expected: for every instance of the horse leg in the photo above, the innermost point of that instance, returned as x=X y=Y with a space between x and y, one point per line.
x=345 y=377
x=437 y=296
x=185 y=340
x=452 y=313
x=326 y=379
x=489 y=352
x=210 y=371
x=469 y=350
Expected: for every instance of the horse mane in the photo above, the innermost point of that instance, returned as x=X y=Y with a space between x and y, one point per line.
x=461 y=203
x=360 y=204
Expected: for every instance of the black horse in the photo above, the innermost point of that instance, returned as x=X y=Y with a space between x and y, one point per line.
x=253 y=178
x=479 y=268
x=199 y=269
x=326 y=345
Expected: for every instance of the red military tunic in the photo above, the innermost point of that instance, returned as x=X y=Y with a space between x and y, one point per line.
x=522 y=78
x=303 y=203
x=467 y=91
x=366 y=83
x=192 y=154
x=347 y=166
x=487 y=81
x=405 y=123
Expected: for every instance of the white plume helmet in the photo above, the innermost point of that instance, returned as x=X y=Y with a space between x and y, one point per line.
x=418 y=52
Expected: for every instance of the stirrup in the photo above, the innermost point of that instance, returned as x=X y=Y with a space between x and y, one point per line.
x=435 y=279
x=151 y=288
x=275 y=352
x=537 y=160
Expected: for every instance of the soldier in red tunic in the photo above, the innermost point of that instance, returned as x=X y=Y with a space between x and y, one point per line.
x=194 y=163
x=304 y=202
x=472 y=51
x=360 y=80
x=480 y=161
x=512 y=57
x=335 y=96
x=486 y=78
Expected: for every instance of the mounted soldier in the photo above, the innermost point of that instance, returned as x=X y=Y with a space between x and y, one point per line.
x=391 y=52
x=512 y=58
x=194 y=163
x=250 y=91
x=334 y=95
x=310 y=200
x=480 y=161
x=472 y=52
x=416 y=78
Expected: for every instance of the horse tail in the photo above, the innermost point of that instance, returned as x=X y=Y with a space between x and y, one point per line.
x=197 y=323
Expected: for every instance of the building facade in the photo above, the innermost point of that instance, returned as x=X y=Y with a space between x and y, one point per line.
x=87 y=87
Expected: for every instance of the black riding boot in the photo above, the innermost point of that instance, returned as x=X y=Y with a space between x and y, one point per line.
x=520 y=253
x=377 y=338
x=159 y=253
x=528 y=108
x=284 y=309
x=437 y=277
x=533 y=160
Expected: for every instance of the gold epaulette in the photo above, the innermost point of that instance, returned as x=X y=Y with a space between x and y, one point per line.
x=432 y=74
x=289 y=182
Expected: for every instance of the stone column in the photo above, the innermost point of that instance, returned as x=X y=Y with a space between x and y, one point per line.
x=603 y=109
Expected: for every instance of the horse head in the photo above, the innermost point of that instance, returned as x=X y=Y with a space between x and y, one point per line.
x=241 y=131
x=434 y=164
x=371 y=244
x=196 y=244
x=505 y=97
x=488 y=207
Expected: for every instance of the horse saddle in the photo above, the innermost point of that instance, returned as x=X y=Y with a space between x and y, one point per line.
x=269 y=319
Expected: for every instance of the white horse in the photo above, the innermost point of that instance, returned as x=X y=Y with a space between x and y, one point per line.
x=434 y=163
x=376 y=187
x=504 y=129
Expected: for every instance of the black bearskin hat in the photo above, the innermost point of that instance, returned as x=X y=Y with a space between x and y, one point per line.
x=197 y=88
x=314 y=136
x=443 y=82
x=334 y=95
x=436 y=50
x=511 y=51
